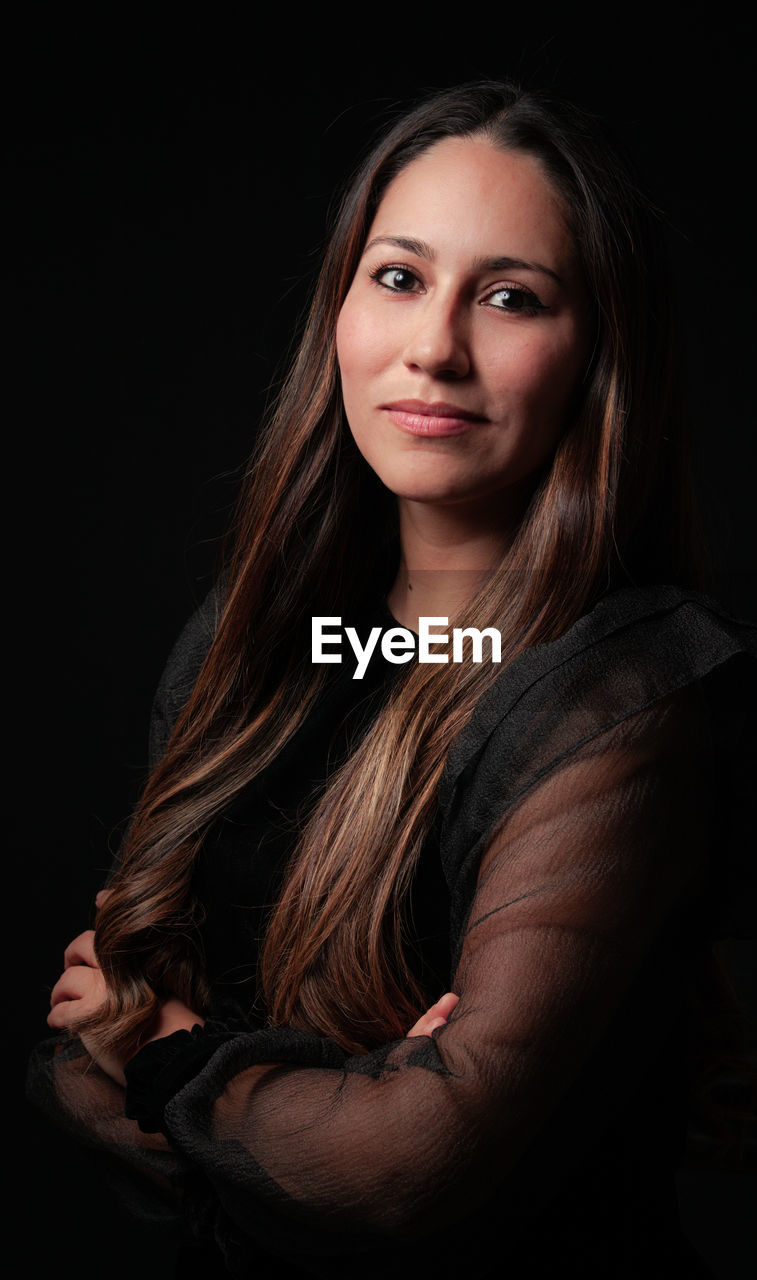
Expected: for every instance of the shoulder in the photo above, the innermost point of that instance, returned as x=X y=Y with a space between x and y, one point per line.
x=635 y=647
x=637 y=655
x=181 y=671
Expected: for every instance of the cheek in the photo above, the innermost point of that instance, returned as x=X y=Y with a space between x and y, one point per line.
x=540 y=375
x=344 y=337
x=359 y=342
x=357 y=358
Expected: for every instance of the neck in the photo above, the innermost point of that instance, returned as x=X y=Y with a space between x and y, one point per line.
x=446 y=556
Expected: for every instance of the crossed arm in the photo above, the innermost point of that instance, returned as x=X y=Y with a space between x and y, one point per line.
x=575 y=885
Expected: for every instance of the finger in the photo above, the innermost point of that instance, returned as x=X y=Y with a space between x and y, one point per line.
x=65 y=1013
x=433 y=1023
x=438 y=1013
x=77 y=994
x=80 y=982
x=425 y=1025
x=436 y=1016
x=68 y=987
x=68 y=1014
x=417 y=1028
x=446 y=1004
x=56 y=1018
x=81 y=951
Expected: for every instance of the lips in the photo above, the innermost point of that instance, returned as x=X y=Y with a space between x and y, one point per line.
x=439 y=418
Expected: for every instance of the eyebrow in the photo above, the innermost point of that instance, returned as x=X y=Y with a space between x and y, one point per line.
x=423 y=250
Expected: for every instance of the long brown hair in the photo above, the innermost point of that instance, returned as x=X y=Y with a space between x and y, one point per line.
x=612 y=507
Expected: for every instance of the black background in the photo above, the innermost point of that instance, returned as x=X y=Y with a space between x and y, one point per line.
x=171 y=189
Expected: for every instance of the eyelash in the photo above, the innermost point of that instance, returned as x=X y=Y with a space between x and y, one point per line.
x=531 y=304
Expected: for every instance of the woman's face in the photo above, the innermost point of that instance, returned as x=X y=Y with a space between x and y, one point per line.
x=465 y=330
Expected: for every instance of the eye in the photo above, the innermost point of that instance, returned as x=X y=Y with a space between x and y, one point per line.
x=514 y=298
x=397 y=279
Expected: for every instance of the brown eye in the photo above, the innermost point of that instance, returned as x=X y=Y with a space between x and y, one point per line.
x=398 y=279
x=512 y=299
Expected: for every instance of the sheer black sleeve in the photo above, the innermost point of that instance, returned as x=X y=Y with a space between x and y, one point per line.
x=578 y=834
x=573 y=887
x=65 y=1083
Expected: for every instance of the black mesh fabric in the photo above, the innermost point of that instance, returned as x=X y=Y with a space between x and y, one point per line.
x=590 y=835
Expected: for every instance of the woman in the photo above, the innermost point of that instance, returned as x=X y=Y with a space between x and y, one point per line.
x=481 y=427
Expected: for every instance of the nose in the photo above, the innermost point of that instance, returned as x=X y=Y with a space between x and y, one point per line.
x=437 y=343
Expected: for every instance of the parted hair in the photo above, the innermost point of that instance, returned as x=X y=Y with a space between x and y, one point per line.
x=313 y=532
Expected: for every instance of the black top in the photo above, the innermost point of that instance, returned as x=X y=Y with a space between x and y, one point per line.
x=589 y=839
x=243 y=860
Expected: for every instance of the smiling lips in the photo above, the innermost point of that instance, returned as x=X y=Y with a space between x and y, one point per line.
x=436 y=419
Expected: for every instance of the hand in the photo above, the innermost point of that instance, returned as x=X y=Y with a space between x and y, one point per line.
x=79 y=992
x=173 y=1014
x=434 y=1017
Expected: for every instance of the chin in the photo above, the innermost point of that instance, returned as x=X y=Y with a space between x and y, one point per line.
x=503 y=498
x=429 y=492
x=427 y=482
x=429 y=485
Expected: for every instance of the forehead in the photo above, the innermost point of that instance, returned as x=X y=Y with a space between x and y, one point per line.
x=468 y=195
